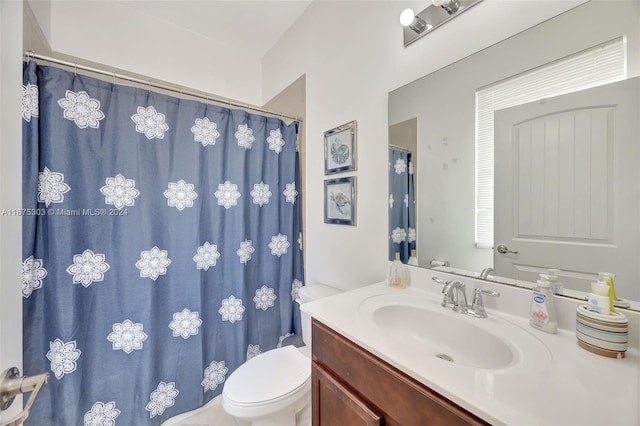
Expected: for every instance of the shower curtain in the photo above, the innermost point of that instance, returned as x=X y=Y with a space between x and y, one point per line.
x=402 y=210
x=161 y=242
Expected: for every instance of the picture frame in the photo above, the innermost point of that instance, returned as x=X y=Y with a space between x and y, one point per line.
x=340 y=148
x=340 y=201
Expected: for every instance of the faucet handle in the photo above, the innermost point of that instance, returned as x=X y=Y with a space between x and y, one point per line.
x=477 y=306
x=491 y=293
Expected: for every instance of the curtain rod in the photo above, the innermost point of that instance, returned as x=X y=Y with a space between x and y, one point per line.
x=399 y=148
x=207 y=98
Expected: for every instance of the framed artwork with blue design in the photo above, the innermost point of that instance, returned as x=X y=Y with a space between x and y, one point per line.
x=340 y=201
x=340 y=149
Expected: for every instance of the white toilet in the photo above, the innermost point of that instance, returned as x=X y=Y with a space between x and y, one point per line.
x=274 y=388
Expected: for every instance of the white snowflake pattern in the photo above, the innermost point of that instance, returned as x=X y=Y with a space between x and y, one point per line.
x=227 y=194
x=281 y=339
x=264 y=298
x=120 y=191
x=87 y=268
x=275 y=141
x=398 y=235
x=180 y=194
x=127 y=336
x=296 y=285
x=32 y=275
x=102 y=414
x=51 y=187
x=411 y=235
x=81 y=109
x=253 y=351
x=279 y=245
x=260 y=194
x=400 y=166
x=153 y=263
x=205 y=131
x=246 y=248
x=391 y=201
x=290 y=192
x=185 y=324
x=406 y=200
x=63 y=357
x=163 y=397
x=206 y=256
x=300 y=240
x=30 y=99
x=150 y=122
x=410 y=167
x=244 y=136
x=231 y=309
x=214 y=375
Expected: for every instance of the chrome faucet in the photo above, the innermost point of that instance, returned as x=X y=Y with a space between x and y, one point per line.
x=486 y=272
x=455 y=297
x=477 y=306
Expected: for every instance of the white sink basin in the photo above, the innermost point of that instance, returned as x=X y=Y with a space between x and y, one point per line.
x=419 y=324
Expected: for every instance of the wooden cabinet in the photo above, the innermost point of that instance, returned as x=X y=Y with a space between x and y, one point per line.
x=351 y=386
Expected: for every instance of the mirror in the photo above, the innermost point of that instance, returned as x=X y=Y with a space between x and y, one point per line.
x=437 y=114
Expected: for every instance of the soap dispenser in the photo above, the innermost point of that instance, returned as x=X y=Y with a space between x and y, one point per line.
x=413 y=260
x=552 y=277
x=542 y=311
x=397 y=273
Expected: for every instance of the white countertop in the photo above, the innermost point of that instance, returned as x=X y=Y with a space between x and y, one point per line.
x=576 y=388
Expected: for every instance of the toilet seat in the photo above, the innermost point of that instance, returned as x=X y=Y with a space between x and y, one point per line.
x=273 y=379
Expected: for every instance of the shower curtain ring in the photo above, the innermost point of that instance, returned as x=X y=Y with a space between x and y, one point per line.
x=75 y=69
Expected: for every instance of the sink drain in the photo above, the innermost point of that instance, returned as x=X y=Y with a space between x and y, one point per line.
x=444 y=357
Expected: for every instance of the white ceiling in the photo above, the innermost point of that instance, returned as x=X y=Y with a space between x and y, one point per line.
x=248 y=27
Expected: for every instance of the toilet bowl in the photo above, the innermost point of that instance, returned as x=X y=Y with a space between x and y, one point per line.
x=274 y=388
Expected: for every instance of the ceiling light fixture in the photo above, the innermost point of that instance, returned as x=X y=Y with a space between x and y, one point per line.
x=441 y=11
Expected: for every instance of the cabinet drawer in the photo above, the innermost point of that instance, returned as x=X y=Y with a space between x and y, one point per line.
x=399 y=398
x=334 y=404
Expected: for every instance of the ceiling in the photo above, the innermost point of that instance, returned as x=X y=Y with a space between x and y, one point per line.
x=248 y=27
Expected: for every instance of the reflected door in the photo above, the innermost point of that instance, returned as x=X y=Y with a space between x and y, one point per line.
x=567 y=185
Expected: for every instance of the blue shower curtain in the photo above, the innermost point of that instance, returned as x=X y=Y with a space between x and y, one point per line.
x=161 y=242
x=402 y=210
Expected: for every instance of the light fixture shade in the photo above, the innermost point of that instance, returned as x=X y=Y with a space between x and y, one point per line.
x=409 y=19
x=406 y=17
x=450 y=6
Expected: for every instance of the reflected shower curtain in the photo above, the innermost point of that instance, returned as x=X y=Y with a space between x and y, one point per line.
x=161 y=243
x=402 y=210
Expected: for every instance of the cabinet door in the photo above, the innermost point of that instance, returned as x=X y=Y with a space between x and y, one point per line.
x=336 y=405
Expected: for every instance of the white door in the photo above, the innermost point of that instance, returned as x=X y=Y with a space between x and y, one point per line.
x=10 y=192
x=566 y=187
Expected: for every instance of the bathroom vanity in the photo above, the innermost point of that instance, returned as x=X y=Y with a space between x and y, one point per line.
x=352 y=386
x=385 y=356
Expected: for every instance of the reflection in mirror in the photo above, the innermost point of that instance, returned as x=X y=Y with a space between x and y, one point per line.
x=402 y=165
x=568 y=194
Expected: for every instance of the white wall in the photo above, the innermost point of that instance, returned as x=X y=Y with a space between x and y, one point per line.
x=122 y=37
x=10 y=190
x=353 y=56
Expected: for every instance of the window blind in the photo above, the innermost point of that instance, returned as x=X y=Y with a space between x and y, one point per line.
x=602 y=64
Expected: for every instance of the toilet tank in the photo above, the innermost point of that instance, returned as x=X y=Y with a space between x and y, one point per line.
x=309 y=293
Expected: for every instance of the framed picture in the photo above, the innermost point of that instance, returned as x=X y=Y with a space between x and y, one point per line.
x=340 y=201
x=340 y=149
